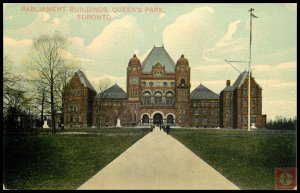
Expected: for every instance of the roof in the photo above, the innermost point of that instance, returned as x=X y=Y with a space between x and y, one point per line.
x=113 y=92
x=201 y=92
x=228 y=88
x=84 y=80
x=240 y=80
x=158 y=55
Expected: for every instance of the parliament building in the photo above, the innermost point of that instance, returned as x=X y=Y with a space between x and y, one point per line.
x=158 y=92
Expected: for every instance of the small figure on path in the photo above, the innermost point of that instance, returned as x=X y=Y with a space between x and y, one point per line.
x=168 y=129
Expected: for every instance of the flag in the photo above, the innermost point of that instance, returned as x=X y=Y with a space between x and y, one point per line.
x=253 y=15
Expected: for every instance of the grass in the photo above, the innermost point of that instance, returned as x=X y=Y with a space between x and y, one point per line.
x=246 y=158
x=61 y=161
x=101 y=131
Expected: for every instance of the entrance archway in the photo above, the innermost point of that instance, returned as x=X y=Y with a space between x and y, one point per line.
x=145 y=118
x=170 y=119
x=157 y=118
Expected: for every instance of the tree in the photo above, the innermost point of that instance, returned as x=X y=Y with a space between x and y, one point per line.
x=282 y=123
x=10 y=86
x=102 y=86
x=15 y=98
x=66 y=72
x=40 y=99
x=46 y=59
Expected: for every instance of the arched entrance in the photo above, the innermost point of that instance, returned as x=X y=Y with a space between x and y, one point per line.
x=145 y=118
x=157 y=118
x=170 y=119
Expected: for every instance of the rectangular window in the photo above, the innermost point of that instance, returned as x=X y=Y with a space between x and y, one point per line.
x=245 y=91
x=253 y=110
x=245 y=102
x=253 y=119
x=253 y=91
x=245 y=122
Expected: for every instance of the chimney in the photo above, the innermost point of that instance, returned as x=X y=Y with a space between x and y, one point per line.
x=227 y=82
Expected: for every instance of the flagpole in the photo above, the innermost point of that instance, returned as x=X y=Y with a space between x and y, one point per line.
x=249 y=74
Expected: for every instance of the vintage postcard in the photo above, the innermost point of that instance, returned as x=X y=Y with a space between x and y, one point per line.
x=149 y=96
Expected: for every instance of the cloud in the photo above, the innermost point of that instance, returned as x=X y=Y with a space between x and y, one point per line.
x=41 y=24
x=228 y=36
x=113 y=34
x=227 y=46
x=283 y=108
x=276 y=83
x=188 y=30
x=68 y=55
x=211 y=68
x=95 y=78
x=43 y=15
x=56 y=21
x=162 y=15
x=276 y=68
x=112 y=47
x=15 y=43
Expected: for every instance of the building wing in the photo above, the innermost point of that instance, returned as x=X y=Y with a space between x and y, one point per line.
x=113 y=92
x=201 y=92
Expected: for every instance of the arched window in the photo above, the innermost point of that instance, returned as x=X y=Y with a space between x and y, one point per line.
x=169 y=98
x=170 y=119
x=145 y=119
x=182 y=82
x=158 y=98
x=146 y=98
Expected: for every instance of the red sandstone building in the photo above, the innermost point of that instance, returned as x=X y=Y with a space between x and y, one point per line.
x=158 y=92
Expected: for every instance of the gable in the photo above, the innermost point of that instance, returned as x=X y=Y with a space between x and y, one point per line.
x=158 y=55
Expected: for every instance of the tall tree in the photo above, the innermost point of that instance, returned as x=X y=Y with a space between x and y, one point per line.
x=46 y=59
x=66 y=72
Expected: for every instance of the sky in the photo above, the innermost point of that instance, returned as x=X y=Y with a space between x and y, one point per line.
x=105 y=36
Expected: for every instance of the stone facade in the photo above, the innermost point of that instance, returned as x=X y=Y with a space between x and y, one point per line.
x=78 y=103
x=234 y=103
x=158 y=92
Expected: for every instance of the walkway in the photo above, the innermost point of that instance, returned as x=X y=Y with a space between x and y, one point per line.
x=158 y=161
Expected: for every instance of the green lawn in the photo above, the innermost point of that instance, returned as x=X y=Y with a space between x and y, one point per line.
x=246 y=158
x=61 y=161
